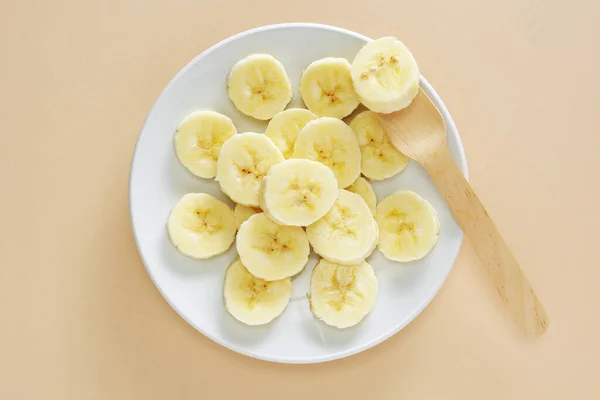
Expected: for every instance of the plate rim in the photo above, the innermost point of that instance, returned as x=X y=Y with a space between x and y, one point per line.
x=462 y=164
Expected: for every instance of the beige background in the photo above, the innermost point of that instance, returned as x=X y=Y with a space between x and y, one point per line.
x=80 y=319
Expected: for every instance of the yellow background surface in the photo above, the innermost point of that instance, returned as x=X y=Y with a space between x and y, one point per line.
x=80 y=318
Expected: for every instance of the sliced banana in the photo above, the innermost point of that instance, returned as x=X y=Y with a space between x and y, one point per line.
x=333 y=143
x=363 y=188
x=385 y=75
x=348 y=233
x=326 y=88
x=243 y=161
x=198 y=140
x=271 y=251
x=379 y=158
x=342 y=295
x=284 y=127
x=408 y=226
x=201 y=226
x=298 y=192
x=242 y=213
x=252 y=300
x=259 y=86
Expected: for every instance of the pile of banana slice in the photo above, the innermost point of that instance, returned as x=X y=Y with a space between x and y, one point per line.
x=298 y=185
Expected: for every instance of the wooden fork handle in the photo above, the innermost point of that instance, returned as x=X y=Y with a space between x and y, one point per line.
x=492 y=250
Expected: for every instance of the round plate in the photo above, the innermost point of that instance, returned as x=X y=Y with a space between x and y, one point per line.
x=194 y=288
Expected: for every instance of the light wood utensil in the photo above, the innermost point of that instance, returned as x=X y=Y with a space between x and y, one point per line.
x=419 y=132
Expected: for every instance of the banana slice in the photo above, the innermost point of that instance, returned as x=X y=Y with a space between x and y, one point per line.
x=385 y=75
x=198 y=140
x=379 y=158
x=363 y=188
x=271 y=251
x=348 y=233
x=284 y=127
x=201 y=226
x=243 y=161
x=333 y=143
x=242 y=213
x=409 y=226
x=342 y=295
x=298 y=192
x=252 y=300
x=326 y=88
x=259 y=86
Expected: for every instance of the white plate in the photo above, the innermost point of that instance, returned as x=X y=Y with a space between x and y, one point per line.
x=194 y=288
